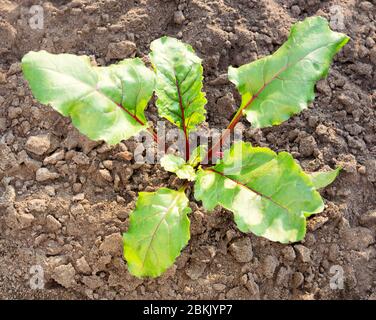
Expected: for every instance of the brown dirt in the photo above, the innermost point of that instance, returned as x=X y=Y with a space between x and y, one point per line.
x=79 y=215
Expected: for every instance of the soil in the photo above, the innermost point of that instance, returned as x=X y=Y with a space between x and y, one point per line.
x=64 y=201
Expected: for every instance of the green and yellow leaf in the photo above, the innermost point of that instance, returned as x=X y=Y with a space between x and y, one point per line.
x=280 y=85
x=198 y=154
x=104 y=103
x=269 y=194
x=321 y=179
x=179 y=83
x=158 y=231
x=177 y=165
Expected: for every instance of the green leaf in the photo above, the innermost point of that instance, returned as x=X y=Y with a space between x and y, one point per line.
x=280 y=85
x=197 y=155
x=105 y=103
x=179 y=83
x=269 y=194
x=178 y=166
x=158 y=231
x=323 y=179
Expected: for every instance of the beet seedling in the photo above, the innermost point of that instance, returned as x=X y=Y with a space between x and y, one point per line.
x=268 y=193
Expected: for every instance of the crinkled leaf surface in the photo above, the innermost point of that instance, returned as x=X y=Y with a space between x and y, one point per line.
x=280 y=85
x=179 y=83
x=268 y=193
x=178 y=166
x=105 y=103
x=158 y=231
x=322 y=179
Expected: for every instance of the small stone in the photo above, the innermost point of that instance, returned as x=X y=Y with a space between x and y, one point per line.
x=309 y=239
x=372 y=55
x=102 y=262
x=83 y=266
x=220 y=80
x=80 y=158
x=362 y=170
x=307 y=146
x=37 y=205
x=50 y=190
x=8 y=33
x=366 y=6
x=220 y=287
x=43 y=174
x=55 y=157
x=225 y=104
x=333 y=252
x=237 y=293
x=77 y=187
x=30 y=163
x=14 y=112
x=78 y=197
x=108 y=164
x=121 y=50
x=371 y=170
x=39 y=239
x=354 y=129
x=368 y=219
x=241 y=250
x=38 y=145
x=18 y=220
x=370 y=42
x=104 y=148
x=295 y=10
x=124 y=155
x=195 y=269
x=77 y=209
x=112 y=245
x=289 y=253
x=93 y=282
x=8 y=197
x=269 y=264
x=348 y=163
x=230 y=234
x=359 y=238
x=179 y=17
x=321 y=130
x=297 y=279
x=25 y=219
x=3 y=124
x=120 y=199
x=52 y=223
x=362 y=69
x=283 y=276
x=312 y=121
x=15 y=68
x=3 y=78
x=106 y=175
x=317 y=222
x=252 y=287
x=64 y=275
x=304 y=254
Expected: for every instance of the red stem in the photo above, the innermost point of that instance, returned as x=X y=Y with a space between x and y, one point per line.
x=239 y=114
x=229 y=129
x=187 y=152
x=149 y=130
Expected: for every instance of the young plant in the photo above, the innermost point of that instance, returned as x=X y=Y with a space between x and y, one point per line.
x=268 y=193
